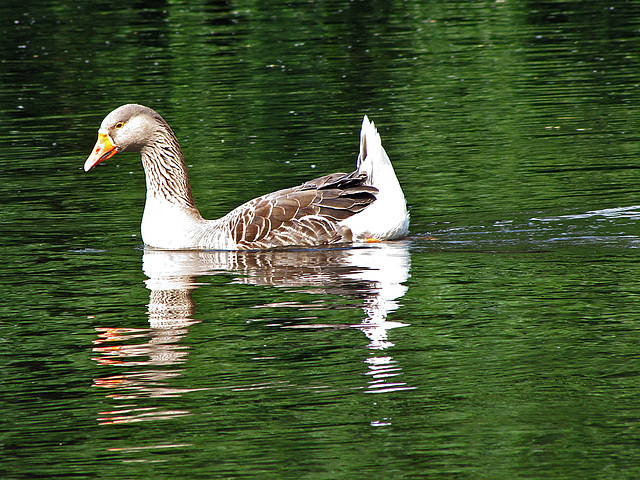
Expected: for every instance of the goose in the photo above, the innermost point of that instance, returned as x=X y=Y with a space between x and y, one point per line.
x=366 y=205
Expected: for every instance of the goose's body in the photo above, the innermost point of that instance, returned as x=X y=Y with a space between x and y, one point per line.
x=365 y=205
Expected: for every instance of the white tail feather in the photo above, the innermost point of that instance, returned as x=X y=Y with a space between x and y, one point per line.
x=387 y=218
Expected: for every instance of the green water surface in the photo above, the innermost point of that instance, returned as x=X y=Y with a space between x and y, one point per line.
x=500 y=340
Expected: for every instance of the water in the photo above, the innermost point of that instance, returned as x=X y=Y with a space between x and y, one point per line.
x=499 y=341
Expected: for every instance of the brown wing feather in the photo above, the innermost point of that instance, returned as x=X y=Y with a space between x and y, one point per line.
x=303 y=215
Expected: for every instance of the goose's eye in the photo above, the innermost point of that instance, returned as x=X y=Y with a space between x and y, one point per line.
x=119 y=125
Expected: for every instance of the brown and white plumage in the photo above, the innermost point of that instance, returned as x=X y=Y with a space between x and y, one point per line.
x=365 y=205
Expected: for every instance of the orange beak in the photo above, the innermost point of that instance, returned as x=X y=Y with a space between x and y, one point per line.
x=104 y=149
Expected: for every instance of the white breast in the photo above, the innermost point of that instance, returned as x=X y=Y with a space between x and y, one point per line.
x=173 y=227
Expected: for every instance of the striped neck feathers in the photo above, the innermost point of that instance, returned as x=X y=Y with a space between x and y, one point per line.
x=165 y=169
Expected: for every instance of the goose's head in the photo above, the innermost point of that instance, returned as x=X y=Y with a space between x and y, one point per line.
x=128 y=128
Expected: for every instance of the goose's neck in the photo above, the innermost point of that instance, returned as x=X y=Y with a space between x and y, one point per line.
x=166 y=171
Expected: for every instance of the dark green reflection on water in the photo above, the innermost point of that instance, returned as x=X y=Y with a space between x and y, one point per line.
x=533 y=352
x=512 y=126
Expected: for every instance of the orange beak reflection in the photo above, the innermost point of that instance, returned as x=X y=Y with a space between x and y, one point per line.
x=104 y=149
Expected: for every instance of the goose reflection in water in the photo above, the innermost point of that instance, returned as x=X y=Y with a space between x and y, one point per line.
x=372 y=275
